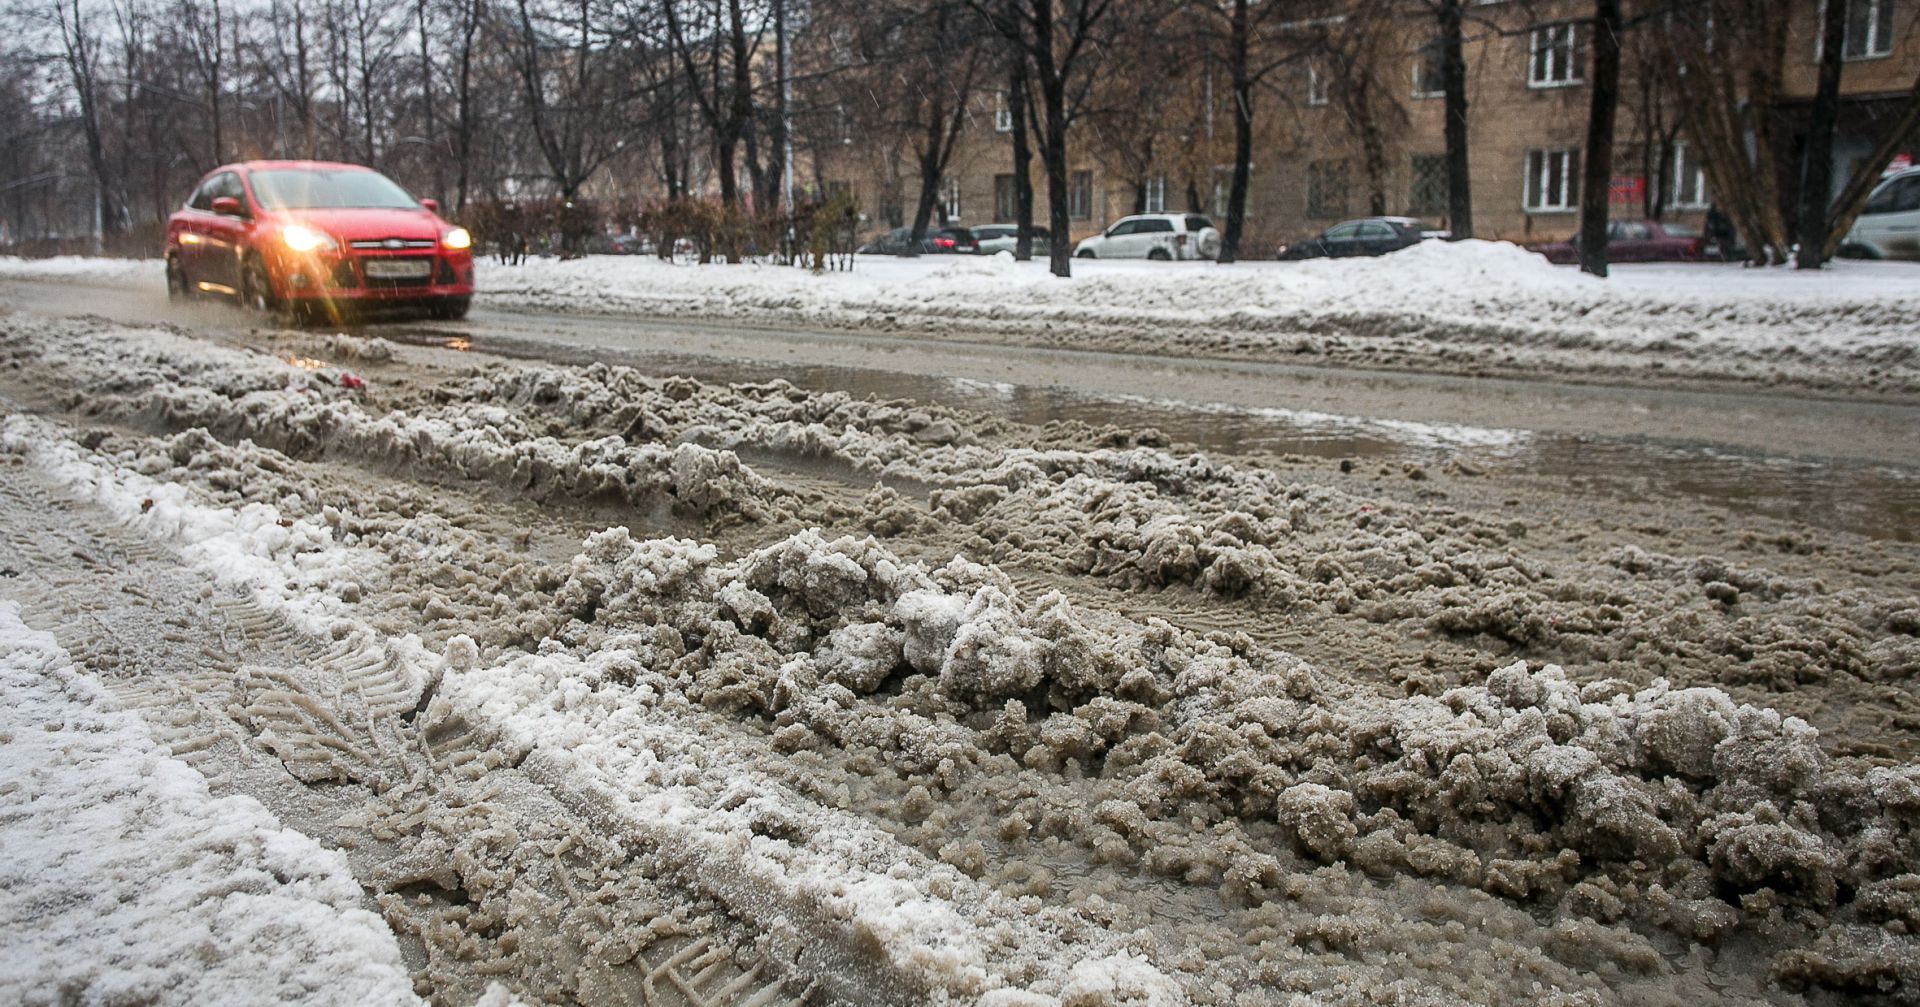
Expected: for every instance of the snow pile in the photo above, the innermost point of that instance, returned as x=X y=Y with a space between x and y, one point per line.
x=122 y=880
x=1460 y=304
x=298 y=409
x=149 y=273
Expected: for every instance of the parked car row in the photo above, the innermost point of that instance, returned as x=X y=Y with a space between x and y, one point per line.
x=1889 y=227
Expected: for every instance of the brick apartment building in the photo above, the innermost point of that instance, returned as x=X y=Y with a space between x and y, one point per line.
x=1527 y=87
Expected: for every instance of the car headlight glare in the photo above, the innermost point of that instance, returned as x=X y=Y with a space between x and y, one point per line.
x=304 y=239
x=457 y=238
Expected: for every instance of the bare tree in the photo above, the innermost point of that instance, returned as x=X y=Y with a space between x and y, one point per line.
x=1244 y=38
x=572 y=101
x=1059 y=39
x=1723 y=60
x=1604 y=91
x=80 y=44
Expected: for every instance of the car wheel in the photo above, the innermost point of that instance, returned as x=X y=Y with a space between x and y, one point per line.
x=177 y=289
x=256 y=293
x=1159 y=255
x=1085 y=253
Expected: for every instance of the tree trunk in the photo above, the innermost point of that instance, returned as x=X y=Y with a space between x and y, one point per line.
x=1237 y=44
x=1596 y=186
x=1054 y=153
x=1816 y=163
x=1022 y=162
x=437 y=163
x=1453 y=69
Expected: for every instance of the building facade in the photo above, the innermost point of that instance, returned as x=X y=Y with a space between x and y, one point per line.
x=1360 y=114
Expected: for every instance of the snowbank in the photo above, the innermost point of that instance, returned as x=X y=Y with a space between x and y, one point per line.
x=123 y=881
x=1465 y=306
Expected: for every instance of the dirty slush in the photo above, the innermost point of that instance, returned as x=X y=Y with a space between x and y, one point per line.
x=913 y=705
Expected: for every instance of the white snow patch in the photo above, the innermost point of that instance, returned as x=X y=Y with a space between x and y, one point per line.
x=122 y=880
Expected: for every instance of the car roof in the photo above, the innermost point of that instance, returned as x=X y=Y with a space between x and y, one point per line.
x=282 y=165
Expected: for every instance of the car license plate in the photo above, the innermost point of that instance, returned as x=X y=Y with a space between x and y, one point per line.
x=402 y=269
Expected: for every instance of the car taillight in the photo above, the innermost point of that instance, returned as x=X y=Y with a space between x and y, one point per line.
x=943 y=242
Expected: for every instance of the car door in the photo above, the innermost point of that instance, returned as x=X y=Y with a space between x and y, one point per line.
x=1118 y=242
x=1373 y=238
x=191 y=253
x=225 y=234
x=1341 y=240
x=1151 y=234
x=1629 y=241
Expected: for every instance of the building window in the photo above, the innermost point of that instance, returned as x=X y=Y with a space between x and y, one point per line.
x=1327 y=189
x=1002 y=113
x=1557 y=56
x=1430 y=70
x=1156 y=195
x=1006 y=198
x=1316 y=86
x=950 y=199
x=1869 y=30
x=1551 y=180
x=1686 y=180
x=1223 y=191
x=1080 y=196
x=1429 y=197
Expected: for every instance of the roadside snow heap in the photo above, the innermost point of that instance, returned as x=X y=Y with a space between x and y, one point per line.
x=1473 y=307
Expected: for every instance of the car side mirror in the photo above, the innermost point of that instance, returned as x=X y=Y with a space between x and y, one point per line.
x=226 y=205
x=431 y=205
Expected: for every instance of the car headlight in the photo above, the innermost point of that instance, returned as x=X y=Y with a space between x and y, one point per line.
x=457 y=238
x=304 y=239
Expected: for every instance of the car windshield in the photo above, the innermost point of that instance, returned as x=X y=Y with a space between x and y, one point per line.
x=1679 y=231
x=317 y=188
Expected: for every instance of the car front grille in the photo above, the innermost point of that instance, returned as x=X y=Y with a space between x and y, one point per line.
x=391 y=244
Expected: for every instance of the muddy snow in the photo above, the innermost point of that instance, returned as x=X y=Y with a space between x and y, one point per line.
x=596 y=686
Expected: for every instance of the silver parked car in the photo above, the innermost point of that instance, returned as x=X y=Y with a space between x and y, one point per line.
x=993 y=238
x=1889 y=227
x=1154 y=236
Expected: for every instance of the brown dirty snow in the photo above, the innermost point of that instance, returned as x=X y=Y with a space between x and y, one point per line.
x=1347 y=737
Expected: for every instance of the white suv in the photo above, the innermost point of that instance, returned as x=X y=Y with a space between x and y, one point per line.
x=1154 y=236
x=1889 y=228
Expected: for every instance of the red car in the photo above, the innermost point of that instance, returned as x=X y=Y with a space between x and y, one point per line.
x=1636 y=241
x=316 y=238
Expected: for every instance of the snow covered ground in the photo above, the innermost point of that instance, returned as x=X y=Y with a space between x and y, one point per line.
x=123 y=881
x=599 y=681
x=1470 y=307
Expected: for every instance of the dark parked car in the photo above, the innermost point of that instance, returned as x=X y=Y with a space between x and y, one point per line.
x=939 y=240
x=1636 y=241
x=1366 y=236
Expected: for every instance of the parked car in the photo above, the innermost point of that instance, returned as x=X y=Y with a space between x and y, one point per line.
x=305 y=237
x=939 y=241
x=1366 y=236
x=1636 y=241
x=991 y=238
x=619 y=244
x=1153 y=236
x=1889 y=226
